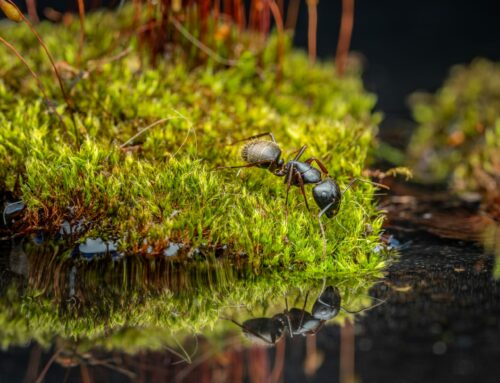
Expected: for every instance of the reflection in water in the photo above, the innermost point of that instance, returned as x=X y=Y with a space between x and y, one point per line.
x=296 y=321
x=144 y=320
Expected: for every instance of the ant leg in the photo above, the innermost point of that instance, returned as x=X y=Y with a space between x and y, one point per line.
x=301 y=184
x=235 y=167
x=322 y=288
x=295 y=151
x=288 y=185
x=362 y=180
x=315 y=331
x=241 y=166
x=320 y=164
x=290 y=331
x=380 y=302
x=303 y=310
x=257 y=136
x=301 y=151
x=322 y=227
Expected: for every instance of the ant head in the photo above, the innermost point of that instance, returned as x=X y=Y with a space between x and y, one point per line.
x=327 y=306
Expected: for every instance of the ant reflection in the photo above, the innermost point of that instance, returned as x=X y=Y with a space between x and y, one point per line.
x=297 y=321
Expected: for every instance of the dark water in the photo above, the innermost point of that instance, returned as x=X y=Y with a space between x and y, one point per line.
x=439 y=323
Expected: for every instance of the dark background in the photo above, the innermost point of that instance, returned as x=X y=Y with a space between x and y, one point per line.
x=407 y=45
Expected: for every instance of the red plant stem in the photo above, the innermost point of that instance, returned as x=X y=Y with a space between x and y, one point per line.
x=227 y=7
x=216 y=10
x=31 y=5
x=292 y=14
x=204 y=13
x=281 y=6
x=347 y=353
x=239 y=13
x=279 y=362
x=345 y=34
x=266 y=19
x=253 y=22
x=137 y=13
x=81 y=11
x=312 y=28
x=281 y=35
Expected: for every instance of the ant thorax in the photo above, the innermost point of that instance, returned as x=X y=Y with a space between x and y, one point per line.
x=260 y=152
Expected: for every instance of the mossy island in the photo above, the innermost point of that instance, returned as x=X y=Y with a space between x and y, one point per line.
x=133 y=157
x=130 y=153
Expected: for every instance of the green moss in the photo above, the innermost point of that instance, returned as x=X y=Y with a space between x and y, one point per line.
x=164 y=186
x=459 y=135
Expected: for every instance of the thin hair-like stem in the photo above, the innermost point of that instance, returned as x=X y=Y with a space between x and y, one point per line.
x=144 y=130
x=346 y=25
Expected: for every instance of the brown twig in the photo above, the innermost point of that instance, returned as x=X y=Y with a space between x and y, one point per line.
x=345 y=34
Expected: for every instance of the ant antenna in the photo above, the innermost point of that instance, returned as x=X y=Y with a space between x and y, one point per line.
x=368 y=182
x=303 y=310
x=380 y=302
x=288 y=318
x=323 y=287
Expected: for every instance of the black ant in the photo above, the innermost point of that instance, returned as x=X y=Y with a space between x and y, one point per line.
x=267 y=155
x=297 y=321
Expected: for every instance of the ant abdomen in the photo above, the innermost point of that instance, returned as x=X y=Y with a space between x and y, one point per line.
x=261 y=153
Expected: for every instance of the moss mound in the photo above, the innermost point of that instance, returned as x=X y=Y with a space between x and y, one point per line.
x=137 y=161
x=459 y=135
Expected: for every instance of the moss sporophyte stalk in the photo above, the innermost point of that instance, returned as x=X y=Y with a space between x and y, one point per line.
x=135 y=160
